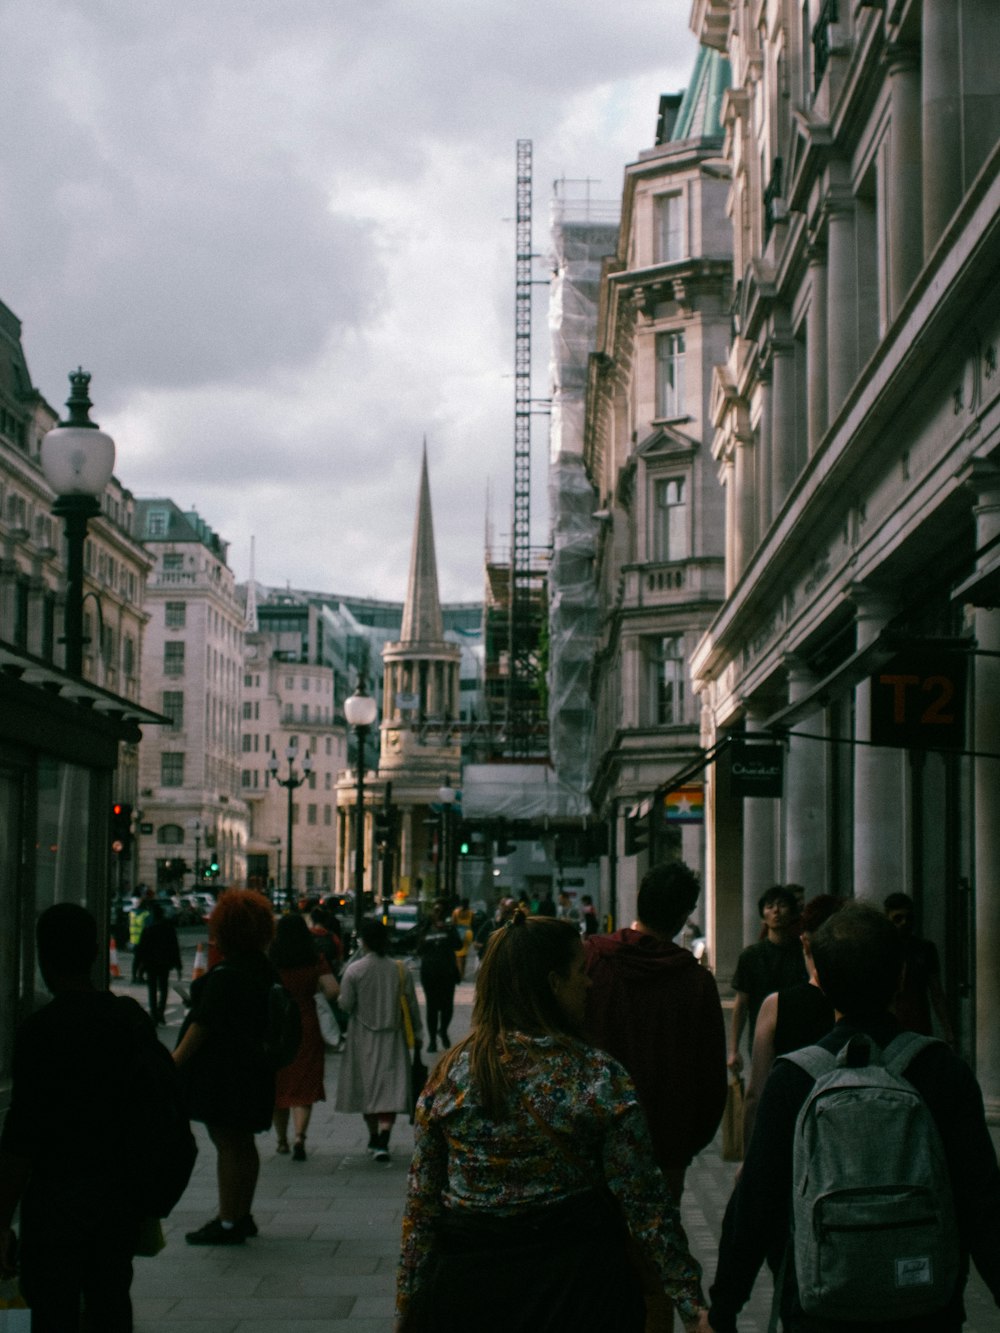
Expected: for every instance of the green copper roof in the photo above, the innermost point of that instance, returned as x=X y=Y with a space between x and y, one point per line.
x=699 y=113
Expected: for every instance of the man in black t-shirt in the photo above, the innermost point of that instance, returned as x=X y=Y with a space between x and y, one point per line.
x=770 y=964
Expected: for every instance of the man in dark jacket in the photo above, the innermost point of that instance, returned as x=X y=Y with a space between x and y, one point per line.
x=158 y=953
x=653 y=1008
x=72 y=1107
x=859 y=958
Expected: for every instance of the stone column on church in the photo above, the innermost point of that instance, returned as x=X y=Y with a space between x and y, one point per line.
x=904 y=186
x=742 y=477
x=783 y=423
x=986 y=740
x=941 y=99
x=805 y=793
x=816 y=349
x=880 y=786
x=764 y=436
x=842 y=301
x=761 y=866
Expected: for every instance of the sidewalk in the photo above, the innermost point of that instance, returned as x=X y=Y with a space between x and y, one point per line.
x=325 y=1259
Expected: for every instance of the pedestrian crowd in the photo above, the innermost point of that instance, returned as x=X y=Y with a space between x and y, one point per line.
x=551 y=1142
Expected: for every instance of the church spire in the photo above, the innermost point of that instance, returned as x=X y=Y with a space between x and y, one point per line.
x=422 y=621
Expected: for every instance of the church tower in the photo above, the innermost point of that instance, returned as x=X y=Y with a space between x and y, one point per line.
x=420 y=693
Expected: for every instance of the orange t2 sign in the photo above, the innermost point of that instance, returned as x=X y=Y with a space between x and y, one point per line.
x=918 y=701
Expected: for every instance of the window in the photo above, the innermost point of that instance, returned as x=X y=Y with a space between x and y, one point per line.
x=305 y=712
x=329 y=745
x=669 y=238
x=247 y=744
x=668 y=521
x=247 y=711
x=248 y=777
x=172 y=770
x=670 y=374
x=248 y=680
x=176 y=614
x=668 y=681
x=173 y=561
x=311 y=814
x=173 y=658
x=327 y=814
x=171 y=835
x=173 y=707
x=328 y=781
x=128 y=655
x=295 y=814
x=157 y=521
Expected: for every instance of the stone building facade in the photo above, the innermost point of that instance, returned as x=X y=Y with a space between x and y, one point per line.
x=190 y=793
x=857 y=434
x=663 y=322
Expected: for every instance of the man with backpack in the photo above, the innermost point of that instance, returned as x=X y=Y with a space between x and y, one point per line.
x=870 y=1164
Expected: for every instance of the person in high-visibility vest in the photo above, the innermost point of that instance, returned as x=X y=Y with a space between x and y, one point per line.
x=137 y=919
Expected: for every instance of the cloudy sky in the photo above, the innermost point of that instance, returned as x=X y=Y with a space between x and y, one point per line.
x=281 y=237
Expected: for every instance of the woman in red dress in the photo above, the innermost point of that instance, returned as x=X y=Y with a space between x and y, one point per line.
x=304 y=973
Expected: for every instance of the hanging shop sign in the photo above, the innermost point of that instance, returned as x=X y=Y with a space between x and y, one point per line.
x=755 y=769
x=918 y=701
x=686 y=805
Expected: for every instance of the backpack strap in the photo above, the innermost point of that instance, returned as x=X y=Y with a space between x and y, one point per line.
x=813 y=1059
x=902 y=1050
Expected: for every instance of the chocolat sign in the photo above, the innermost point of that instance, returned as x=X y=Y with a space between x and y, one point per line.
x=755 y=770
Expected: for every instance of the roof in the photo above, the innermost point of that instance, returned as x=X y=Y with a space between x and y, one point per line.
x=699 y=115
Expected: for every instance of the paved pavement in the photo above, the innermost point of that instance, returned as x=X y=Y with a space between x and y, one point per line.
x=325 y=1259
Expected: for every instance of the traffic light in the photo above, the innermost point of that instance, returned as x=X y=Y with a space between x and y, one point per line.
x=636 y=835
x=121 y=829
x=212 y=867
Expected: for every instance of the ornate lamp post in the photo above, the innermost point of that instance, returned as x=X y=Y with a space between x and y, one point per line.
x=291 y=785
x=447 y=798
x=360 y=710
x=77 y=460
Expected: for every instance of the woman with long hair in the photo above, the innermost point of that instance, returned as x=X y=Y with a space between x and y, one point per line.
x=375 y=1076
x=304 y=973
x=533 y=1180
x=228 y=1082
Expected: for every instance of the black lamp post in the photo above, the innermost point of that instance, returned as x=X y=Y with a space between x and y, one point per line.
x=360 y=710
x=447 y=798
x=291 y=785
x=77 y=460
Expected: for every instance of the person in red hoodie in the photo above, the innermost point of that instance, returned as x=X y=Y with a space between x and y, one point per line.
x=653 y=1008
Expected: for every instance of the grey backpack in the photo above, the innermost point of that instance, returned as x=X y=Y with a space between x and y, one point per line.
x=873 y=1221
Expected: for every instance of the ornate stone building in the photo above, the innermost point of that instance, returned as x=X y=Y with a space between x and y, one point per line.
x=857 y=433
x=663 y=322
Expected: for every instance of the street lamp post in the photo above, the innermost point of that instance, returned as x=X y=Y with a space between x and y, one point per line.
x=77 y=460
x=360 y=710
x=447 y=798
x=195 y=826
x=291 y=785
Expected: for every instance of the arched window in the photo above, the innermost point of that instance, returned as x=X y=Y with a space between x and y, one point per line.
x=170 y=834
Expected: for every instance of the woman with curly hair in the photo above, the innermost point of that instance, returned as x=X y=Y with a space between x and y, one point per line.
x=533 y=1162
x=304 y=973
x=229 y=1083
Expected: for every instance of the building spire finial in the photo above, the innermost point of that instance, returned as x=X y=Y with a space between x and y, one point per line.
x=422 y=622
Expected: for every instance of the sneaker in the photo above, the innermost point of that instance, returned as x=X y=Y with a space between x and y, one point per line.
x=381 y=1153
x=248 y=1226
x=214 y=1233
x=373 y=1145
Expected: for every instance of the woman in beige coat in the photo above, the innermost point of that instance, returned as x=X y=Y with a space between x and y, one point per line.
x=375 y=1074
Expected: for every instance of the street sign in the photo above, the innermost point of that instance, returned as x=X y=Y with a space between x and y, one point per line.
x=755 y=769
x=918 y=701
x=685 y=805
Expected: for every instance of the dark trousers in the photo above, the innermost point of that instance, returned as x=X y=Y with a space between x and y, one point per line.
x=158 y=985
x=439 y=993
x=59 y=1272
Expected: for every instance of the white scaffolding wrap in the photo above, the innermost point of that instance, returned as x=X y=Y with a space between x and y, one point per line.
x=517 y=792
x=579 y=244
